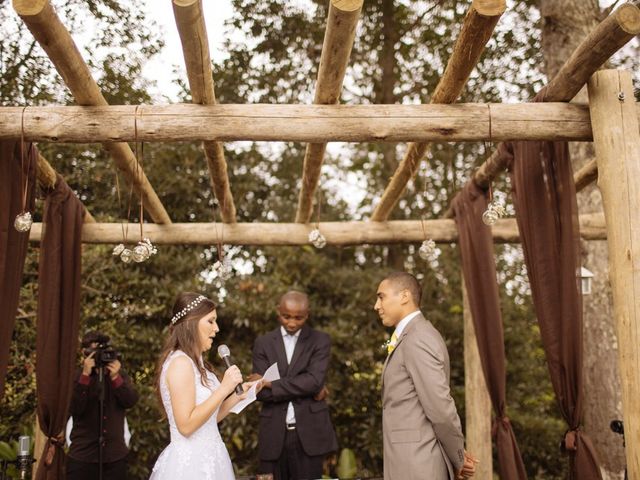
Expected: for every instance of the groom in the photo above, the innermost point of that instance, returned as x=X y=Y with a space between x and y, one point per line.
x=421 y=429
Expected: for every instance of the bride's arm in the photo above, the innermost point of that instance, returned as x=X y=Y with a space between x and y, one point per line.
x=181 y=382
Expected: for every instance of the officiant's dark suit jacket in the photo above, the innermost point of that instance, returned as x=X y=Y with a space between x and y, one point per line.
x=298 y=383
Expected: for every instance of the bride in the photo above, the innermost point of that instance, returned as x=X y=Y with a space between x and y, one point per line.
x=193 y=398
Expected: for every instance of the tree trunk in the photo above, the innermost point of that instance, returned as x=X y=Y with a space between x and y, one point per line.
x=386 y=96
x=564 y=24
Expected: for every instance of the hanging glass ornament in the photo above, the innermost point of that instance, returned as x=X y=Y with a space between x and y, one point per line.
x=23 y=222
x=490 y=216
x=427 y=250
x=143 y=250
x=223 y=269
x=140 y=252
x=118 y=249
x=317 y=239
x=126 y=255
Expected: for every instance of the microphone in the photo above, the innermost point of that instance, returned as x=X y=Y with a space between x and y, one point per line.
x=225 y=355
x=24 y=460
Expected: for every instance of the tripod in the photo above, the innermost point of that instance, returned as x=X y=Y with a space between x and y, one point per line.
x=100 y=422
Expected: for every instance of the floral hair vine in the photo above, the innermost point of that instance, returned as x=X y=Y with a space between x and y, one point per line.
x=193 y=304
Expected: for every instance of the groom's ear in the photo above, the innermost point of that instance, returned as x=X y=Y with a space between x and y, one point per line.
x=405 y=296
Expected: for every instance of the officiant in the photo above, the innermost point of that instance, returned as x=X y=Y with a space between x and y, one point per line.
x=295 y=432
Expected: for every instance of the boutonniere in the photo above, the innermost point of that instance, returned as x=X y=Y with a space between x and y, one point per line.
x=385 y=346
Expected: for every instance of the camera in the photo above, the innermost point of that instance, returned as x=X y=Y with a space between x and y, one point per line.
x=104 y=352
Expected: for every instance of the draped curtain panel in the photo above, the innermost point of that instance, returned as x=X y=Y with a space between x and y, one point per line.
x=58 y=321
x=547 y=215
x=479 y=271
x=13 y=244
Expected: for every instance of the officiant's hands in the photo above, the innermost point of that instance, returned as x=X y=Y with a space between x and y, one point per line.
x=263 y=383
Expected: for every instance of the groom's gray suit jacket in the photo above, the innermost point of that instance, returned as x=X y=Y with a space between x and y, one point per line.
x=422 y=434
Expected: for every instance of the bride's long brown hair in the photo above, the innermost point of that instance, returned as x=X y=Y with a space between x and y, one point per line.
x=184 y=335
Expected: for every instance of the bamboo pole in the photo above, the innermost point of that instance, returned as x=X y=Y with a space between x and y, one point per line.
x=477 y=400
x=617 y=146
x=336 y=49
x=337 y=233
x=351 y=123
x=195 y=47
x=43 y=22
x=607 y=38
x=479 y=23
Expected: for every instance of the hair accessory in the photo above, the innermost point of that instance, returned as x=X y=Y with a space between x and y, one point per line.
x=187 y=309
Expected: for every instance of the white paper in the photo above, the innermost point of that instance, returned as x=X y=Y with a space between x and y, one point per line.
x=270 y=375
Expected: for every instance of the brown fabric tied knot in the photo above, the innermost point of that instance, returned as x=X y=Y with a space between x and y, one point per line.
x=497 y=422
x=52 y=443
x=571 y=439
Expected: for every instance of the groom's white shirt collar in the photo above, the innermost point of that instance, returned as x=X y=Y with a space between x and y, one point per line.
x=402 y=324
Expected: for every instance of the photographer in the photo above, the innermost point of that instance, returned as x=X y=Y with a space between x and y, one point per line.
x=100 y=363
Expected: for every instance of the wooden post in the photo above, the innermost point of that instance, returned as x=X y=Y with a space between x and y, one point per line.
x=338 y=40
x=477 y=400
x=479 y=23
x=195 y=45
x=46 y=27
x=39 y=442
x=617 y=145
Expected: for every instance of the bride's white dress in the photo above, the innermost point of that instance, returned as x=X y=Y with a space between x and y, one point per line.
x=200 y=456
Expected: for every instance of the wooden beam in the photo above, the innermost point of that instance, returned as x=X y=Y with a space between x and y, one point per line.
x=477 y=401
x=586 y=175
x=337 y=233
x=338 y=41
x=47 y=177
x=195 y=46
x=607 y=38
x=481 y=19
x=311 y=123
x=43 y=22
x=617 y=146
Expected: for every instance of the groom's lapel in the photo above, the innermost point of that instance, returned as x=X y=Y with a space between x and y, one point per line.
x=404 y=333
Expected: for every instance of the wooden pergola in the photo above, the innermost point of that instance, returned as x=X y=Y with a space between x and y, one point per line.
x=611 y=124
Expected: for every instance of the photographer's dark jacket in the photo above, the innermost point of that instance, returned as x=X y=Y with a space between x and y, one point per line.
x=119 y=395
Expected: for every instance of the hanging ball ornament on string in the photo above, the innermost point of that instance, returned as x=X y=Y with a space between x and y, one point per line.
x=317 y=239
x=23 y=222
x=223 y=269
x=493 y=213
x=143 y=251
x=427 y=250
x=126 y=255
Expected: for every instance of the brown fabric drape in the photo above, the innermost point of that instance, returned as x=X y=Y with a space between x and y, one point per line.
x=13 y=244
x=547 y=214
x=479 y=269
x=58 y=321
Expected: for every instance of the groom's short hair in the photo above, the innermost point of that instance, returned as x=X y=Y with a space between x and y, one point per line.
x=406 y=281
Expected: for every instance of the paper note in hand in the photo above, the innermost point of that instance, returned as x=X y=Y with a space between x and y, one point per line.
x=270 y=375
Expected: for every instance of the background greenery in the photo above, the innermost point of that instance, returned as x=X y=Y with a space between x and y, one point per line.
x=273 y=53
